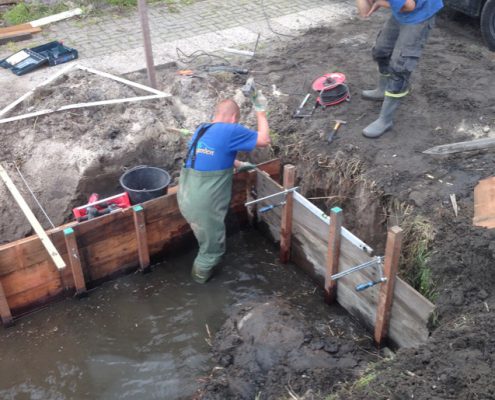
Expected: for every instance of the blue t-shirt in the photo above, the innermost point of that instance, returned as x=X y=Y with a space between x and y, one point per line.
x=218 y=147
x=424 y=9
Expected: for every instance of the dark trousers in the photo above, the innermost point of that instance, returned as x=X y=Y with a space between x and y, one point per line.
x=397 y=51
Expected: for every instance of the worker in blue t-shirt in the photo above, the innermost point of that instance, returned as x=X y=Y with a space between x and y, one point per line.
x=205 y=184
x=397 y=50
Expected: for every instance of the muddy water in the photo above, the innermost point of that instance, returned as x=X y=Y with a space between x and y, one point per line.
x=144 y=336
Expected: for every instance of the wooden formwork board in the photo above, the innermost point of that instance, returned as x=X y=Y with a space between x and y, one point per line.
x=310 y=233
x=106 y=245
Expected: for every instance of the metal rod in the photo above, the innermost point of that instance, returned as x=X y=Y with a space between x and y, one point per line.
x=371 y=263
x=34 y=197
x=148 y=52
x=271 y=195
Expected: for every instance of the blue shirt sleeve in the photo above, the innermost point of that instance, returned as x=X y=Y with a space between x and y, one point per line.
x=242 y=139
x=396 y=5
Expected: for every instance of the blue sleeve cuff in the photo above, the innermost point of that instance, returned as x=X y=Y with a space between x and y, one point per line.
x=396 y=5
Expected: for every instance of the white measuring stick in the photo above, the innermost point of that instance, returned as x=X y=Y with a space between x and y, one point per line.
x=45 y=240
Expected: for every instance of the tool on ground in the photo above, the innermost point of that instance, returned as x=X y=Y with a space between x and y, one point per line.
x=96 y=207
x=301 y=112
x=338 y=123
x=375 y=262
x=271 y=207
x=284 y=192
x=227 y=68
x=332 y=89
x=34 y=197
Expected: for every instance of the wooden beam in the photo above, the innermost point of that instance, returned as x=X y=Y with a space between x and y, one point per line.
x=5 y=314
x=56 y=17
x=333 y=254
x=286 y=225
x=142 y=239
x=75 y=261
x=386 y=296
x=50 y=248
x=148 y=51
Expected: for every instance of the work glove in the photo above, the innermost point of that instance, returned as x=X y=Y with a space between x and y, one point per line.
x=260 y=102
x=245 y=166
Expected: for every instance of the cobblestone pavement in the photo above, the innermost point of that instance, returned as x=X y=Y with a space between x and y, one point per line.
x=114 y=42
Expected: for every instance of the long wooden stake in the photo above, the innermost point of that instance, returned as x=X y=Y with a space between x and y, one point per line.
x=333 y=254
x=142 y=239
x=286 y=226
x=150 y=65
x=75 y=261
x=386 y=296
x=5 y=314
x=45 y=240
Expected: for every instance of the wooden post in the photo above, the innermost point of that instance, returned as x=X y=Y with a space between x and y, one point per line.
x=386 y=296
x=333 y=254
x=148 y=51
x=45 y=240
x=251 y=181
x=142 y=240
x=286 y=225
x=75 y=261
x=5 y=314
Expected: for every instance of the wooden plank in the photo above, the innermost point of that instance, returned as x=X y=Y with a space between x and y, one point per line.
x=148 y=51
x=484 y=203
x=386 y=297
x=286 y=224
x=141 y=237
x=15 y=28
x=333 y=254
x=75 y=261
x=410 y=311
x=56 y=17
x=5 y=313
x=50 y=248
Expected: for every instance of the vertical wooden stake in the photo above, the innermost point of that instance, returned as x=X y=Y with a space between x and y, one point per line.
x=251 y=181
x=386 y=296
x=142 y=239
x=5 y=314
x=333 y=254
x=286 y=225
x=75 y=261
x=148 y=51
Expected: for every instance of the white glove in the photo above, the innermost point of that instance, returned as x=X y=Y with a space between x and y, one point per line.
x=260 y=102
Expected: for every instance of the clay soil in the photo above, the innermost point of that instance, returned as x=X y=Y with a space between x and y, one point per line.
x=377 y=182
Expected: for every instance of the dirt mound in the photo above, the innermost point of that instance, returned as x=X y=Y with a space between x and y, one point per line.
x=270 y=350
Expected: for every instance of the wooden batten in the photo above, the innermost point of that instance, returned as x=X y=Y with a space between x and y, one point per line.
x=410 y=311
x=5 y=314
x=74 y=262
x=106 y=246
x=333 y=254
x=286 y=223
x=141 y=237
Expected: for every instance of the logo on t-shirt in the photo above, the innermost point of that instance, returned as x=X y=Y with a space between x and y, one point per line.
x=204 y=149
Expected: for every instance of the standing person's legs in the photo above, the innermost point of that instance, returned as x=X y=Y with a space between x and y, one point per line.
x=405 y=57
x=382 y=52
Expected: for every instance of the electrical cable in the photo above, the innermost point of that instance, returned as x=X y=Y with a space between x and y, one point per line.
x=269 y=25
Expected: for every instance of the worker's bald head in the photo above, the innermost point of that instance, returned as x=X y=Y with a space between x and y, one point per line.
x=227 y=111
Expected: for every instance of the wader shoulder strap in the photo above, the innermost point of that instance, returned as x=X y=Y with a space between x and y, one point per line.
x=191 y=152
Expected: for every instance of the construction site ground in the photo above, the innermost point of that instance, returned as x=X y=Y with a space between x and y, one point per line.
x=378 y=183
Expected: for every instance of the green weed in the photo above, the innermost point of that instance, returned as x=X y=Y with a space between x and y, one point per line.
x=22 y=12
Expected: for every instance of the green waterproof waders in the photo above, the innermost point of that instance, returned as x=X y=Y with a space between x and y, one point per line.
x=204 y=198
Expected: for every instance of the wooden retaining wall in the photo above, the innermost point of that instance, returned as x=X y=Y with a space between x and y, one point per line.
x=309 y=246
x=98 y=249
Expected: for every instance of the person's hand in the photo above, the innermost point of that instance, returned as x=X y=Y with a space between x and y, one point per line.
x=243 y=166
x=376 y=5
x=260 y=102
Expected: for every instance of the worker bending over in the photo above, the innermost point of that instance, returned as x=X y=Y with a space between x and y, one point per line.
x=205 y=183
x=397 y=50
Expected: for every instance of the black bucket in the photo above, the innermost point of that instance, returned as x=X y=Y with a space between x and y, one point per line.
x=144 y=183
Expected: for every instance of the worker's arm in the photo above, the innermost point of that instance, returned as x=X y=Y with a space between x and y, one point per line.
x=263 y=130
x=408 y=6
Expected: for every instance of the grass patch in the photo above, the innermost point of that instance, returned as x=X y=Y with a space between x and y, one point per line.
x=22 y=12
x=416 y=249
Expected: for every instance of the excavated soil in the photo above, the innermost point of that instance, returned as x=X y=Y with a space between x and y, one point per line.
x=452 y=99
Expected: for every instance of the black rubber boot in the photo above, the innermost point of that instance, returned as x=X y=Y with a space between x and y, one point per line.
x=379 y=92
x=385 y=120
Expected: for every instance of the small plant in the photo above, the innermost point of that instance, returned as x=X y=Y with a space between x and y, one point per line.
x=24 y=12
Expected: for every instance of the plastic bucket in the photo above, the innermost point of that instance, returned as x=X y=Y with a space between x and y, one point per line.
x=144 y=183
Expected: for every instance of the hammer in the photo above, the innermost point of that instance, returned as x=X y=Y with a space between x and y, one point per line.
x=336 y=127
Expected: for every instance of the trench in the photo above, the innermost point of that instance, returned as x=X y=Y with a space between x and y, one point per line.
x=148 y=335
